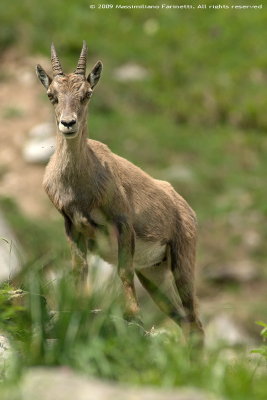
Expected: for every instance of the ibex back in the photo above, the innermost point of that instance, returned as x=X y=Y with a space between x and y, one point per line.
x=97 y=191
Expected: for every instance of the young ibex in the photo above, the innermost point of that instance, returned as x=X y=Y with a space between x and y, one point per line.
x=96 y=190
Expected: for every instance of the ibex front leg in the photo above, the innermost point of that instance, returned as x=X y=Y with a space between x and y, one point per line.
x=126 y=244
x=78 y=246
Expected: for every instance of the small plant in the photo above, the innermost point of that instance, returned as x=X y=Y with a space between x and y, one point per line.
x=13 y=315
x=263 y=349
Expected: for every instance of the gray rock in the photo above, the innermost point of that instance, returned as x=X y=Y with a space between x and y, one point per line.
x=4 y=347
x=44 y=130
x=41 y=144
x=241 y=272
x=6 y=354
x=11 y=254
x=64 y=384
x=224 y=330
x=130 y=72
x=100 y=271
x=39 y=151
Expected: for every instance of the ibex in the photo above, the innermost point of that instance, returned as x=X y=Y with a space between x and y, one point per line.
x=96 y=190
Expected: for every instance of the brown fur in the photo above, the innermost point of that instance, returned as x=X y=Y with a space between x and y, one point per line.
x=95 y=189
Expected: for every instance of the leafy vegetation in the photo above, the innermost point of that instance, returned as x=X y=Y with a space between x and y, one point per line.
x=98 y=342
x=263 y=350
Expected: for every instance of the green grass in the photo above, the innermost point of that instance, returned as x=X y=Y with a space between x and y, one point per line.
x=102 y=344
x=205 y=67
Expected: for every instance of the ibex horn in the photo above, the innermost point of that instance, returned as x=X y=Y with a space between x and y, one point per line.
x=56 y=67
x=81 y=66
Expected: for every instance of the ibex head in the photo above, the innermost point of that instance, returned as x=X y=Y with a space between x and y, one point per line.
x=70 y=93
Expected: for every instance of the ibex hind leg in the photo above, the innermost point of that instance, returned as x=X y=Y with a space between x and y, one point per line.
x=152 y=279
x=182 y=261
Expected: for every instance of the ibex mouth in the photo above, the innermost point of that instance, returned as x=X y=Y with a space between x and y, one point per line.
x=70 y=134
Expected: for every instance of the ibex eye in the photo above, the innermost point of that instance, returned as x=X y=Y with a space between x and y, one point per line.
x=52 y=98
x=86 y=96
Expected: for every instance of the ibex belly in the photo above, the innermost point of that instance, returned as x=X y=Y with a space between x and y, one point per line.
x=148 y=253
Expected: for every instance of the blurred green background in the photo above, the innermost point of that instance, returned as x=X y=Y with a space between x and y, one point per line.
x=193 y=112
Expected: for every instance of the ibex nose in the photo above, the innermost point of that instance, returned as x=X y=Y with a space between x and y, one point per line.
x=68 y=123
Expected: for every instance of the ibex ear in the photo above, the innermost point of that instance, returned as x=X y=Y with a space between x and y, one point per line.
x=42 y=75
x=94 y=75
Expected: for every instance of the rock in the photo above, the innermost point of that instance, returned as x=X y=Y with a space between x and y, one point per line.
x=11 y=254
x=39 y=151
x=44 y=130
x=41 y=144
x=252 y=239
x=4 y=347
x=64 y=384
x=26 y=77
x=241 y=272
x=101 y=272
x=224 y=330
x=5 y=356
x=130 y=72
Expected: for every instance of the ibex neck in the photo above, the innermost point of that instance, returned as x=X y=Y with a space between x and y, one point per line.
x=72 y=152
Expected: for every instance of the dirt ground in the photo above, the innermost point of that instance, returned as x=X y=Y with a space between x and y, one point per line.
x=22 y=107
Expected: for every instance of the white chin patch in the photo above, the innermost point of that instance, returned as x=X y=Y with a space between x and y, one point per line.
x=68 y=133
